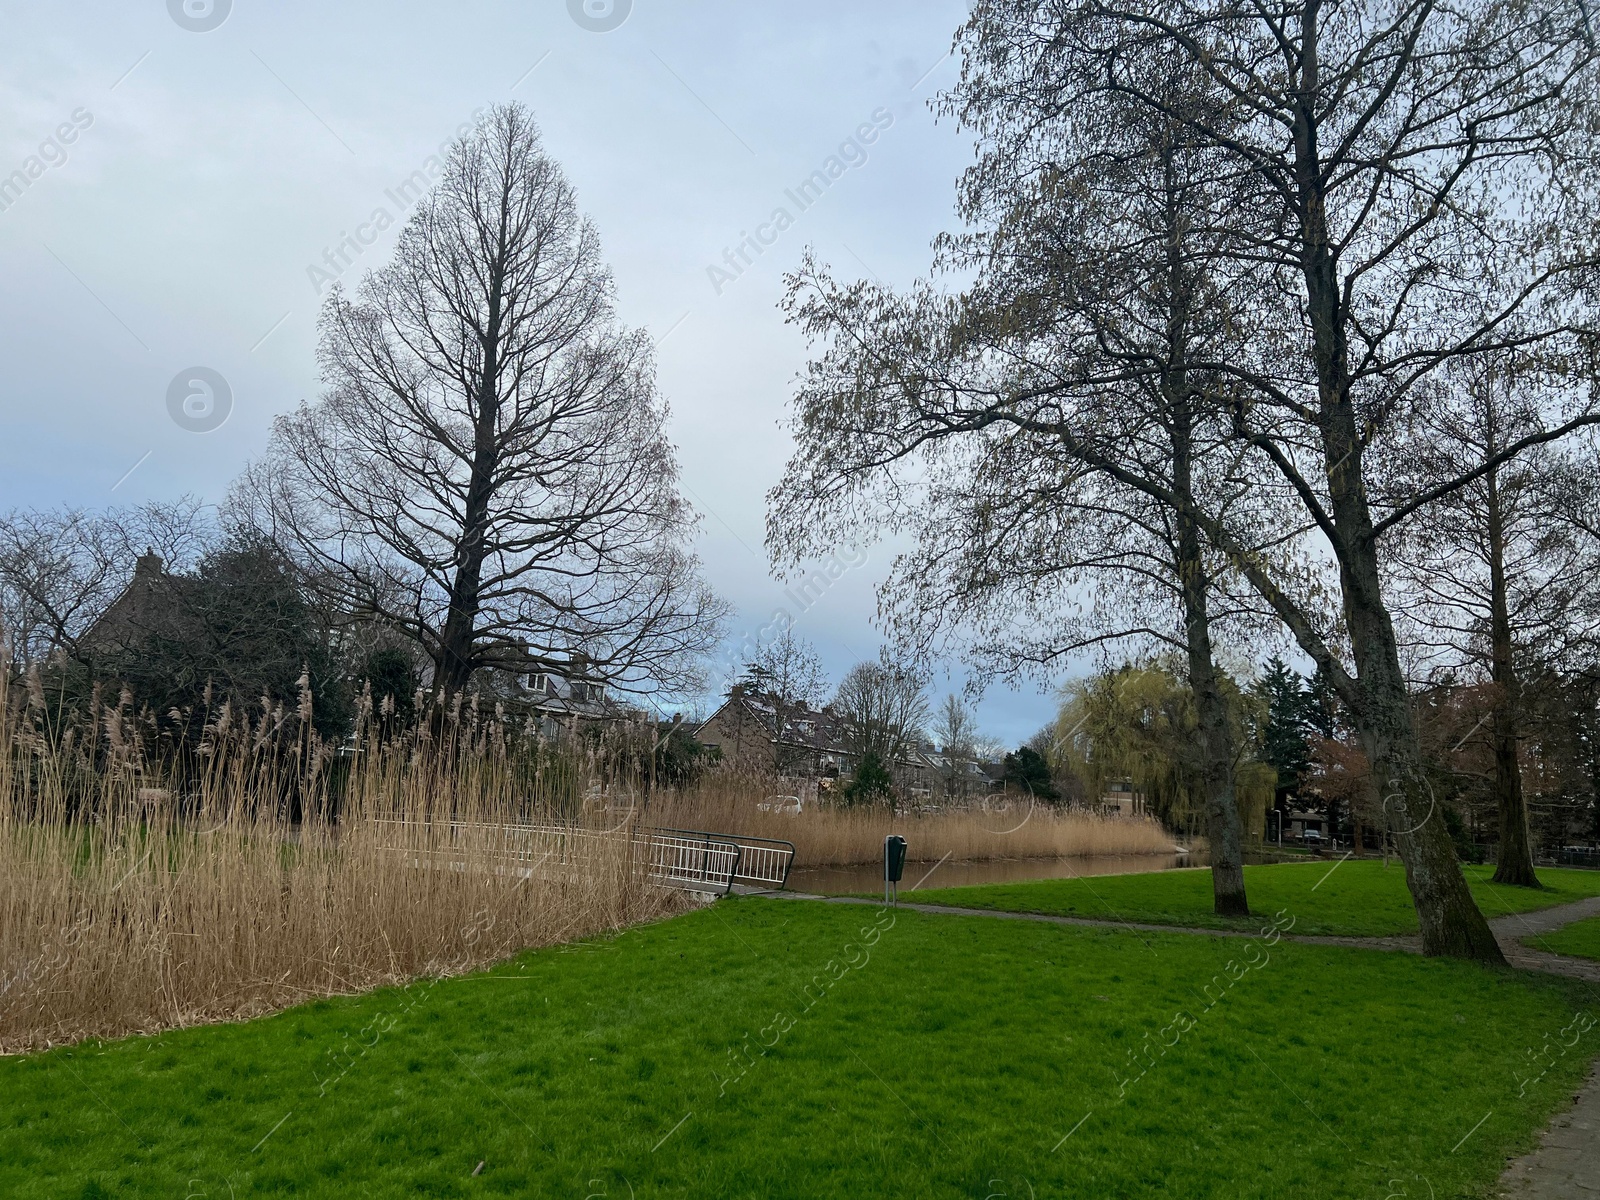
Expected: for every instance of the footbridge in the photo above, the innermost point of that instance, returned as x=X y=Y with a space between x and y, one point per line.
x=695 y=860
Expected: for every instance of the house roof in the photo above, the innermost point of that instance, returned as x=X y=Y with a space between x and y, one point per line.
x=152 y=603
x=820 y=730
x=802 y=725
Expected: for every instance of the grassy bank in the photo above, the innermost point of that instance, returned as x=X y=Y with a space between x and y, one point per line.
x=1358 y=898
x=932 y=1056
x=1580 y=939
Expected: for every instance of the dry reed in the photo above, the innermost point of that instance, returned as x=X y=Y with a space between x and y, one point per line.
x=148 y=882
x=993 y=828
x=133 y=899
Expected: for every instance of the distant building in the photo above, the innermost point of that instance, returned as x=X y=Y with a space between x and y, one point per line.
x=758 y=733
x=805 y=750
x=1122 y=798
x=561 y=696
x=152 y=603
x=1302 y=821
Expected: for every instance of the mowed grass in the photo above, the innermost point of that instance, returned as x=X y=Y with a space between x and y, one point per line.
x=1581 y=939
x=1358 y=898
x=956 y=1056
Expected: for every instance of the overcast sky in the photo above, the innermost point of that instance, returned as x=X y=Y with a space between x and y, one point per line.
x=201 y=181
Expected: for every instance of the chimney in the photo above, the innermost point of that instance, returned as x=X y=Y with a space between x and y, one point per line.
x=148 y=565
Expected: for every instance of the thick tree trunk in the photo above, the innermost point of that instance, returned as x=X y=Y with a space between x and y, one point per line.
x=1224 y=830
x=1516 y=848
x=456 y=660
x=454 y=664
x=1449 y=917
x=1516 y=852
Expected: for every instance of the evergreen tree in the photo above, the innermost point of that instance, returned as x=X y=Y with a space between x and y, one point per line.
x=1027 y=771
x=393 y=679
x=1282 y=740
x=1320 y=705
x=872 y=781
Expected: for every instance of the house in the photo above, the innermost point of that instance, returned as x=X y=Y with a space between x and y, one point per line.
x=759 y=733
x=940 y=774
x=153 y=602
x=806 y=749
x=1301 y=822
x=559 y=696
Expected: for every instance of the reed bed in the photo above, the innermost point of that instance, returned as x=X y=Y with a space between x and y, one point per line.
x=272 y=870
x=221 y=865
x=988 y=828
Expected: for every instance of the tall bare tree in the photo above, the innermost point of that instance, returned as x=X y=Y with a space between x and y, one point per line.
x=955 y=731
x=1415 y=184
x=488 y=468
x=883 y=711
x=983 y=424
x=787 y=675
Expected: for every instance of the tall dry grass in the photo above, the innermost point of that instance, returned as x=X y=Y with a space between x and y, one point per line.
x=137 y=896
x=149 y=881
x=824 y=836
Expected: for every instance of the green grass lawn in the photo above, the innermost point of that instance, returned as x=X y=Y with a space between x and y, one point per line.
x=956 y=1056
x=1581 y=939
x=1360 y=898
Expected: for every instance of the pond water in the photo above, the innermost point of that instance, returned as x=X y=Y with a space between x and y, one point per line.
x=868 y=877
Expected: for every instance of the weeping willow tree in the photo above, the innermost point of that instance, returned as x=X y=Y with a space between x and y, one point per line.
x=1138 y=724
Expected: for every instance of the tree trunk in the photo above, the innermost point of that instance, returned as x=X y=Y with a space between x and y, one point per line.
x=1379 y=701
x=1516 y=853
x=1449 y=917
x=1224 y=830
x=456 y=660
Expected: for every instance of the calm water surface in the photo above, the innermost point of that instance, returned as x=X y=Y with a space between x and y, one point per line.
x=868 y=877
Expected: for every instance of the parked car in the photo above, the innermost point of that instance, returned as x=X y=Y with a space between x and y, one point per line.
x=785 y=806
x=1313 y=837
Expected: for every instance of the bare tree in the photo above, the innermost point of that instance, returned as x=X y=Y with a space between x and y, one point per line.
x=488 y=468
x=956 y=731
x=1414 y=185
x=788 y=676
x=1495 y=578
x=883 y=711
x=983 y=424
x=60 y=569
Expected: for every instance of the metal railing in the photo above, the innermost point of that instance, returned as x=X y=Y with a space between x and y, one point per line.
x=684 y=857
x=763 y=862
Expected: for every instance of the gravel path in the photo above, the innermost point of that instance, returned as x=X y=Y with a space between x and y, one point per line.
x=1507 y=931
x=1566 y=1166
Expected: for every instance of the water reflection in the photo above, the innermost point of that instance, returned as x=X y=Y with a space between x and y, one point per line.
x=868 y=877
